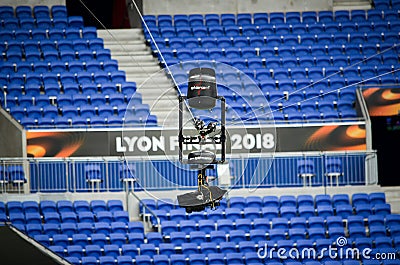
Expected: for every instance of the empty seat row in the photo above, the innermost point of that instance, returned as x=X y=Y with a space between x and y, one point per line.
x=233 y=57
x=276 y=29
x=85 y=228
x=75 y=66
x=54 y=34
x=102 y=78
x=14 y=174
x=84 y=111
x=44 y=45
x=284 y=200
x=37 y=11
x=287 y=212
x=68 y=217
x=293 y=39
x=255 y=46
x=93 y=122
x=60 y=206
x=54 y=55
x=272 y=18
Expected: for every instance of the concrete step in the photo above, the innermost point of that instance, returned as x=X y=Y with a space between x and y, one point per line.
x=351 y=5
x=120 y=35
x=128 y=47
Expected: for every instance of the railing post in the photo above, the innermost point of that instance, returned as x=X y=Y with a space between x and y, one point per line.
x=66 y=174
x=107 y=175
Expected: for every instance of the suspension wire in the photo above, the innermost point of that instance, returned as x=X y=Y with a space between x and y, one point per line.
x=327 y=77
x=132 y=58
x=338 y=89
x=162 y=57
x=338 y=72
x=233 y=123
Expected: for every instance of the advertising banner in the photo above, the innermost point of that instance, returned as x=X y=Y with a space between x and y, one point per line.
x=164 y=142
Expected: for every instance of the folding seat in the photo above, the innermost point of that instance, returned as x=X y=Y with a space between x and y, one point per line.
x=127 y=260
x=359 y=198
x=363 y=242
x=282 y=28
x=243 y=224
x=358 y=15
x=217 y=236
x=276 y=17
x=85 y=55
x=309 y=17
x=17 y=218
x=135 y=238
x=274 y=40
x=183 y=32
x=335 y=232
x=11 y=23
x=84 y=216
x=89 y=33
x=51 y=217
x=260 y=18
x=363 y=210
x=58 y=11
x=96 y=44
x=289 y=62
x=117 y=239
x=383 y=242
x=356 y=232
x=228 y=19
x=154 y=238
x=374 y=37
x=316 y=233
x=91 y=66
x=293 y=17
x=297 y=233
x=377 y=232
x=6 y=11
x=206 y=226
x=288 y=200
x=43 y=240
x=47 y=206
x=277 y=234
x=306 y=211
x=197 y=237
x=324 y=211
x=246 y=247
x=103 y=54
x=382 y=209
x=237 y=235
x=68 y=217
x=107 y=260
x=225 y=225
x=232 y=31
x=251 y=212
x=32 y=229
x=60 y=240
x=68 y=229
x=270 y=212
x=102 y=228
x=390 y=37
x=176 y=238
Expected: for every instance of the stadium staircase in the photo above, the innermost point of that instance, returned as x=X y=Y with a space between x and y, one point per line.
x=134 y=57
x=351 y=4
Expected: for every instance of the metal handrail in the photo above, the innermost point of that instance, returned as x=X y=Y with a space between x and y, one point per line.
x=148 y=209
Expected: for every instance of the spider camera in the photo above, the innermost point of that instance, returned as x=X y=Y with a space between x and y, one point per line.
x=202 y=94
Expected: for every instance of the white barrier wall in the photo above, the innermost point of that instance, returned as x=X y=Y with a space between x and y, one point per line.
x=15 y=3
x=155 y=7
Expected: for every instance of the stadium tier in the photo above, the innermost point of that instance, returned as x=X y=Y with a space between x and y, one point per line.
x=307 y=65
x=56 y=72
x=101 y=231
